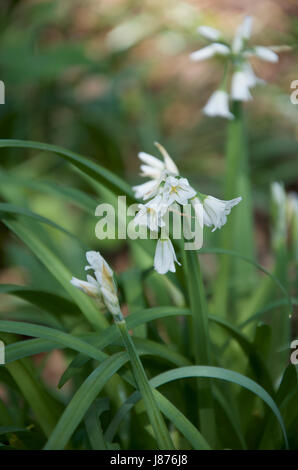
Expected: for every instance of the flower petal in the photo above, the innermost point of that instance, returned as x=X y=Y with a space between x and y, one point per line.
x=209 y=33
x=265 y=53
x=151 y=160
x=210 y=51
x=218 y=105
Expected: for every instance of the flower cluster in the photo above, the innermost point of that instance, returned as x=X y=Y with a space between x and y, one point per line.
x=167 y=190
x=236 y=55
x=102 y=286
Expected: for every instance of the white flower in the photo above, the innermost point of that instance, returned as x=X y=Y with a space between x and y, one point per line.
x=90 y=287
x=209 y=33
x=155 y=169
x=146 y=190
x=170 y=166
x=165 y=257
x=251 y=78
x=103 y=285
x=216 y=211
x=292 y=203
x=210 y=51
x=265 y=53
x=218 y=105
x=240 y=86
x=177 y=190
x=150 y=214
x=242 y=34
x=278 y=193
x=246 y=27
x=237 y=55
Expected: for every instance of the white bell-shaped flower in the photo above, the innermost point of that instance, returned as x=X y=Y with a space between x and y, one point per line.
x=240 y=86
x=165 y=257
x=146 y=190
x=218 y=105
x=216 y=211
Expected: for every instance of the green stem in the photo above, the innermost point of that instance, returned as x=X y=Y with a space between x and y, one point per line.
x=159 y=427
x=238 y=233
x=200 y=342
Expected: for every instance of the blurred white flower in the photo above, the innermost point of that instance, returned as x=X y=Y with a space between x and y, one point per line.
x=146 y=190
x=240 y=86
x=209 y=33
x=210 y=51
x=165 y=257
x=216 y=211
x=102 y=286
x=218 y=105
x=252 y=79
x=278 y=193
x=236 y=55
x=265 y=53
x=242 y=34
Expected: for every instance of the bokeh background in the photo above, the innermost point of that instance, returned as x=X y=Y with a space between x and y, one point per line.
x=107 y=78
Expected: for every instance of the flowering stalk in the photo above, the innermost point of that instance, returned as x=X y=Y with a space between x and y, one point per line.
x=236 y=55
x=160 y=430
x=238 y=81
x=238 y=235
x=103 y=288
x=199 y=338
x=201 y=341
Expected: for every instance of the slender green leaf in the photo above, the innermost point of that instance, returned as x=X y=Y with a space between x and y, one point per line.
x=100 y=174
x=56 y=267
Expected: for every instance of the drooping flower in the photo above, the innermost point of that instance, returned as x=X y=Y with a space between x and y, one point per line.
x=240 y=86
x=102 y=285
x=263 y=53
x=173 y=193
x=216 y=211
x=146 y=190
x=209 y=33
x=150 y=214
x=165 y=257
x=152 y=167
x=209 y=51
x=218 y=105
x=236 y=56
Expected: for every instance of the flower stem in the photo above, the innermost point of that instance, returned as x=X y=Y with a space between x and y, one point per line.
x=200 y=342
x=159 y=427
x=238 y=233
